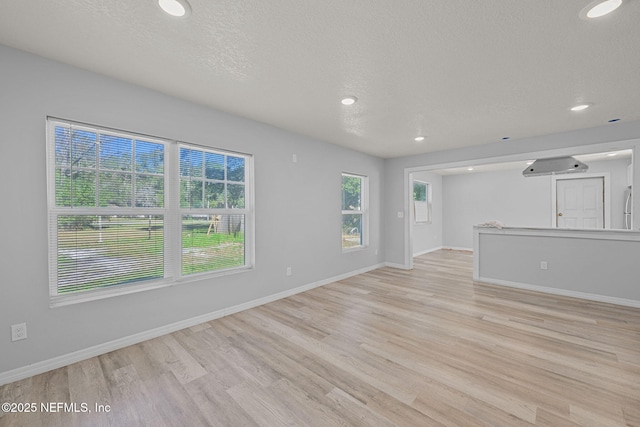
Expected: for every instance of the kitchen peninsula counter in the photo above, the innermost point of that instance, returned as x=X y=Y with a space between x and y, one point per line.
x=601 y=265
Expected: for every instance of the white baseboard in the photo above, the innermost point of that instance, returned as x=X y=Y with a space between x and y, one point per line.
x=394 y=265
x=79 y=355
x=404 y=267
x=563 y=292
x=456 y=248
x=427 y=251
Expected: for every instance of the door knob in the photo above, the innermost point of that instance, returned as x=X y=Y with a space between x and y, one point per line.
x=560 y=214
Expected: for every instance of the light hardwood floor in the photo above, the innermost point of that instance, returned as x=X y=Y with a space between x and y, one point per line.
x=426 y=347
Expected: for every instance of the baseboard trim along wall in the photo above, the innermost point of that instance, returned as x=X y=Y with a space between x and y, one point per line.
x=87 y=353
x=395 y=265
x=427 y=251
x=457 y=248
x=591 y=264
x=562 y=292
x=445 y=248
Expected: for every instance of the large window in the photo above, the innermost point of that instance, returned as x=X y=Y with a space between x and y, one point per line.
x=354 y=211
x=129 y=212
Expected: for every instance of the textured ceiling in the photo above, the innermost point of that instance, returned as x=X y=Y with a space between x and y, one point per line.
x=460 y=72
x=521 y=165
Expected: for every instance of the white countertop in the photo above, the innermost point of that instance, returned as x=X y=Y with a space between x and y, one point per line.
x=607 y=234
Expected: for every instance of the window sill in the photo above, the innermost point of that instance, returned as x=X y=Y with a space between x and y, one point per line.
x=98 y=294
x=354 y=249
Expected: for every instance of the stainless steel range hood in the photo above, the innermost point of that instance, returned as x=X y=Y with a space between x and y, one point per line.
x=553 y=166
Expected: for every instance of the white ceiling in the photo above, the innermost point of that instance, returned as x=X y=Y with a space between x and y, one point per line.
x=461 y=72
x=522 y=165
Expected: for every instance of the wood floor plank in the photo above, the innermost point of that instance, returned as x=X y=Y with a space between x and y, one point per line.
x=426 y=347
x=355 y=412
x=172 y=403
x=87 y=384
x=263 y=407
x=215 y=404
x=132 y=401
x=183 y=365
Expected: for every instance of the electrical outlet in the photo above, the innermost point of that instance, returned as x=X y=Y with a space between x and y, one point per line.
x=400 y=214
x=19 y=332
x=543 y=265
x=289 y=272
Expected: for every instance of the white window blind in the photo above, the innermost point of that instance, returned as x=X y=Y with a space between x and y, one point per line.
x=113 y=225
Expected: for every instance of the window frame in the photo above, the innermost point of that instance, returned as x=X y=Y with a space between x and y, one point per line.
x=171 y=212
x=428 y=201
x=247 y=211
x=363 y=212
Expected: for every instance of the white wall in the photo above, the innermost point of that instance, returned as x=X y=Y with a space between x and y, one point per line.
x=614 y=136
x=504 y=196
x=516 y=201
x=428 y=236
x=298 y=218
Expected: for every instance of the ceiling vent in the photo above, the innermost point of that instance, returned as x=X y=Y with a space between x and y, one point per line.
x=554 y=166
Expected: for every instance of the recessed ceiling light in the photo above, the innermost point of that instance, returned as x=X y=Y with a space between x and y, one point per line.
x=580 y=107
x=469 y=169
x=418 y=138
x=504 y=138
x=349 y=100
x=530 y=162
x=614 y=120
x=600 y=8
x=612 y=154
x=175 y=7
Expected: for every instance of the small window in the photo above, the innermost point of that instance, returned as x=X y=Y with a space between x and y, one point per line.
x=421 y=202
x=354 y=211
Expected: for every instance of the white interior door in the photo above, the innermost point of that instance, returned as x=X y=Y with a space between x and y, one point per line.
x=580 y=203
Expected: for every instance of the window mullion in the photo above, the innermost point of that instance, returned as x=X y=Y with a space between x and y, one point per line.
x=133 y=173
x=173 y=243
x=97 y=169
x=202 y=172
x=225 y=188
x=71 y=151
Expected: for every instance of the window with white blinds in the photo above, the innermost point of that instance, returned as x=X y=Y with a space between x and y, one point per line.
x=129 y=212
